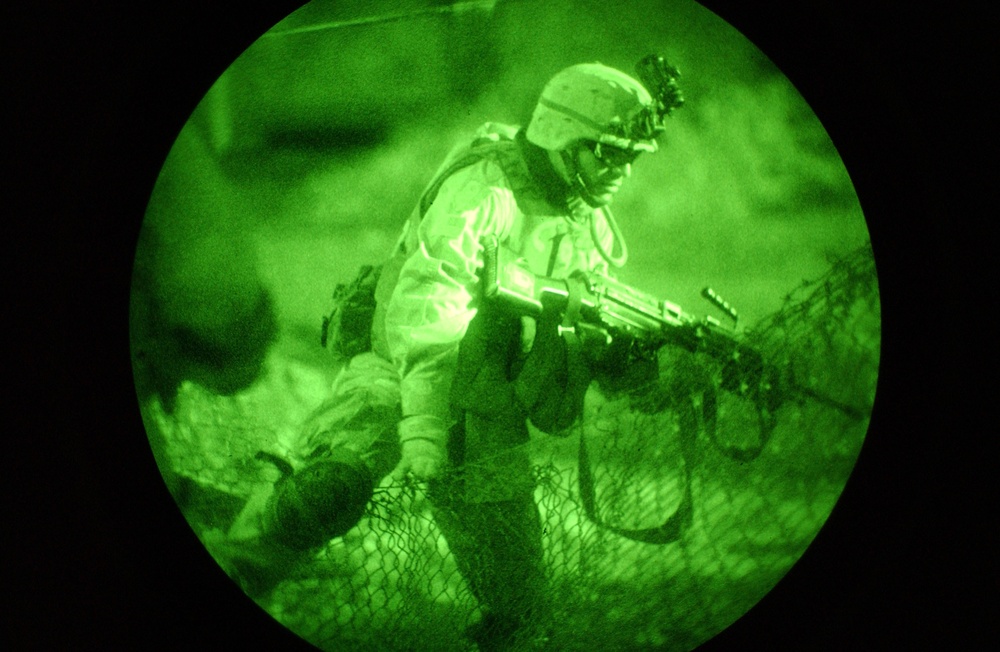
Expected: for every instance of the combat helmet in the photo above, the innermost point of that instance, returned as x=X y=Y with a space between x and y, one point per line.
x=594 y=102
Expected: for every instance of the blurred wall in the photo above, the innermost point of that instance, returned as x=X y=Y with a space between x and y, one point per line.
x=199 y=309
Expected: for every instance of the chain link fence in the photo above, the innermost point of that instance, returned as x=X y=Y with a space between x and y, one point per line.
x=391 y=582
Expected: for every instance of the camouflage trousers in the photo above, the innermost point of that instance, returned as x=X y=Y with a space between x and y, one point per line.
x=363 y=411
x=361 y=415
x=483 y=502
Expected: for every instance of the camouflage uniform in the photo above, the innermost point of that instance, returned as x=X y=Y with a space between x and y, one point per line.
x=550 y=213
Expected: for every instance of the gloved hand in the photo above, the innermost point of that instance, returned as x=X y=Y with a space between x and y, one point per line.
x=423 y=440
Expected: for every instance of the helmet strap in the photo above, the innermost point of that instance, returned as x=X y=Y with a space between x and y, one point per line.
x=576 y=181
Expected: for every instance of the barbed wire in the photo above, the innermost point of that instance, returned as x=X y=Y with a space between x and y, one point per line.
x=392 y=582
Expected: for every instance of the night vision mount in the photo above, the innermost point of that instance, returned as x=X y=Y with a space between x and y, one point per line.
x=660 y=79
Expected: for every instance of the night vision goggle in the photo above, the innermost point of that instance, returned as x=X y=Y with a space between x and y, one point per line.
x=660 y=79
x=611 y=156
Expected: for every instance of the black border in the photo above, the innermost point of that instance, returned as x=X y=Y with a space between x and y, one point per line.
x=102 y=559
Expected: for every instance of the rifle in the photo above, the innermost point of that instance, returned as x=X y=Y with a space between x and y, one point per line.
x=604 y=312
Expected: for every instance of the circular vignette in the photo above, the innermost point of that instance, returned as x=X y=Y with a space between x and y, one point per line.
x=299 y=166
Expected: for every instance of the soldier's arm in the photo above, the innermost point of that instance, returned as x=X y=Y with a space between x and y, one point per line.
x=433 y=302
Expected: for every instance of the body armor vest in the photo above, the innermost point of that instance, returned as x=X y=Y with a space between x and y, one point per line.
x=551 y=239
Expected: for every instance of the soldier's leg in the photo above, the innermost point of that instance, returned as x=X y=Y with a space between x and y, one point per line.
x=498 y=549
x=491 y=522
x=346 y=446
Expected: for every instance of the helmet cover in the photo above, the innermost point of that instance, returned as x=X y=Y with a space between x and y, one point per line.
x=594 y=102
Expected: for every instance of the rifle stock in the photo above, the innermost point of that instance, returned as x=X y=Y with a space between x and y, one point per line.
x=599 y=301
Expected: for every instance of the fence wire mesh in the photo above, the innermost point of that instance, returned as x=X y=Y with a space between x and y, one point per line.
x=392 y=583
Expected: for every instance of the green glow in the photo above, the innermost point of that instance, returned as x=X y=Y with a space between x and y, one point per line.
x=300 y=165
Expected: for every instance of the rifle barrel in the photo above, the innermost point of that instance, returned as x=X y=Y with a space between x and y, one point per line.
x=848 y=410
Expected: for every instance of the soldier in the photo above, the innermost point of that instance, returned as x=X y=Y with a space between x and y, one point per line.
x=457 y=379
x=544 y=193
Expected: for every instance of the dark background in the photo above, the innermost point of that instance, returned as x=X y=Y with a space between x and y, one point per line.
x=100 y=557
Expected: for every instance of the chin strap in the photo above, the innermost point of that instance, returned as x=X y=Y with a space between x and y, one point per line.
x=577 y=184
x=582 y=195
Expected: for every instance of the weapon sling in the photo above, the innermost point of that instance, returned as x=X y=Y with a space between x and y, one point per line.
x=691 y=420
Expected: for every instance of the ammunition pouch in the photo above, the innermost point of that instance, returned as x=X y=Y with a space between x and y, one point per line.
x=347 y=329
